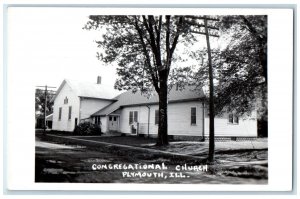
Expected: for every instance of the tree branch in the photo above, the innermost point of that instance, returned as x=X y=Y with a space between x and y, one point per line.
x=158 y=31
x=149 y=27
x=250 y=27
x=177 y=35
x=168 y=40
x=261 y=42
x=148 y=61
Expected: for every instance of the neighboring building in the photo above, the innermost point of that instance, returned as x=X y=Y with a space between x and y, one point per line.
x=40 y=121
x=49 y=121
x=74 y=102
x=133 y=113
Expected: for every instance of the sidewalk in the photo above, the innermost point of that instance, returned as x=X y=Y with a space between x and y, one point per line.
x=193 y=148
x=128 y=147
x=187 y=150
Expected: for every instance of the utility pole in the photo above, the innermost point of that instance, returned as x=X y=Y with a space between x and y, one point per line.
x=45 y=104
x=196 y=24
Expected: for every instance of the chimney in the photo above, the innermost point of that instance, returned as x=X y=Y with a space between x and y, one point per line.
x=99 y=80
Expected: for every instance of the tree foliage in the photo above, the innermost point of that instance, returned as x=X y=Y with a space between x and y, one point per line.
x=40 y=102
x=240 y=68
x=144 y=47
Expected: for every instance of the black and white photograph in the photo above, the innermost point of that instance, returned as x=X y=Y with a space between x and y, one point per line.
x=143 y=97
x=188 y=104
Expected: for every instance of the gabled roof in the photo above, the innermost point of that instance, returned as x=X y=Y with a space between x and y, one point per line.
x=89 y=90
x=130 y=99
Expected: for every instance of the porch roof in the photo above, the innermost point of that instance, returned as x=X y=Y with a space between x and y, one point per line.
x=136 y=99
x=49 y=117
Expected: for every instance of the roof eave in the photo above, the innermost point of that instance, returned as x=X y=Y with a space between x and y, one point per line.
x=108 y=99
x=170 y=102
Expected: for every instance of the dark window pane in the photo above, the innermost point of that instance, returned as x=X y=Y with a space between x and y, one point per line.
x=236 y=119
x=193 y=110
x=193 y=115
x=130 y=117
x=110 y=118
x=135 y=116
x=230 y=118
x=156 y=116
x=70 y=112
x=115 y=118
x=60 y=113
x=97 y=120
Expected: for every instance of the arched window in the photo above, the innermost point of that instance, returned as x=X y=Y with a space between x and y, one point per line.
x=66 y=100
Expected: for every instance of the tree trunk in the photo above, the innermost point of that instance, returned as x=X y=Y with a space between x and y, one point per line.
x=162 y=138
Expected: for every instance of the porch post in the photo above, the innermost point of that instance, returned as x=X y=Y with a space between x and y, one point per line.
x=203 y=122
x=148 y=119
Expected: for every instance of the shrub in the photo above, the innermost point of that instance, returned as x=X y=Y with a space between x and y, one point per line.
x=87 y=128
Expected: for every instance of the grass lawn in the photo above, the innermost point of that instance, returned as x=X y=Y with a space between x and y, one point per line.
x=125 y=140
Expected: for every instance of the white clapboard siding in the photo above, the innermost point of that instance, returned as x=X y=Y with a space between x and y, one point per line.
x=247 y=126
x=179 y=119
x=88 y=106
x=65 y=124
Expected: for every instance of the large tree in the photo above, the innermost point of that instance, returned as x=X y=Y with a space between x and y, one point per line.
x=144 y=49
x=244 y=65
x=240 y=66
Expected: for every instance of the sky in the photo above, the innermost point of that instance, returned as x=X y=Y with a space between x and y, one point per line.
x=49 y=45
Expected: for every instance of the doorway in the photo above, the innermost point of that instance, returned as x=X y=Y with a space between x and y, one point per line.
x=113 y=123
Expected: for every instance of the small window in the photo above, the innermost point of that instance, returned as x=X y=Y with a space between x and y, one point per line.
x=110 y=118
x=236 y=119
x=59 y=113
x=133 y=117
x=66 y=100
x=193 y=116
x=115 y=118
x=156 y=116
x=70 y=112
x=97 y=120
x=233 y=119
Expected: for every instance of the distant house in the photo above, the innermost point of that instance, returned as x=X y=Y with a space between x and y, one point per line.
x=134 y=114
x=49 y=121
x=40 y=121
x=75 y=102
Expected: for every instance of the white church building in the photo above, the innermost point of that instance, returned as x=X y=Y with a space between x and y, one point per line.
x=75 y=102
x=134 y=114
